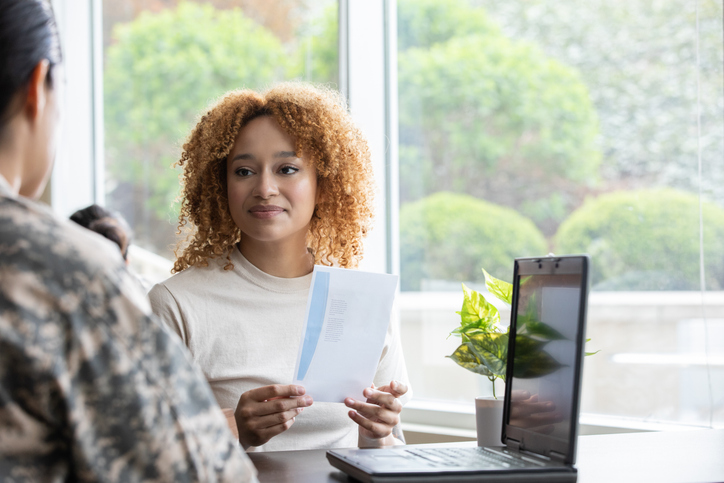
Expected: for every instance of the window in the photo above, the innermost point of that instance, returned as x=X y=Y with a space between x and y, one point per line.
x=537 y=126
x=163 y=63
x=525 y=126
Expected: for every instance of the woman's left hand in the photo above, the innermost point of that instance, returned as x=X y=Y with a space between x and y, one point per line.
x=380 y=413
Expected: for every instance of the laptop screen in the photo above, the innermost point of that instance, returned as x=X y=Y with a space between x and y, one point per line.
x=544 y=387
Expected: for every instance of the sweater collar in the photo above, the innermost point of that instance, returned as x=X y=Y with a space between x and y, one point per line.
x=275 y=284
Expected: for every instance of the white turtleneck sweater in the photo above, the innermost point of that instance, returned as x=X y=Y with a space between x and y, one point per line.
x=243 y=328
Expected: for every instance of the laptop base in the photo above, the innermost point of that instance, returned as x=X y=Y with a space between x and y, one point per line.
x=345 y=460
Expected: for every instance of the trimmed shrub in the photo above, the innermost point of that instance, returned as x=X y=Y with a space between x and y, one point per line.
x=451 y=237
x=646 y=240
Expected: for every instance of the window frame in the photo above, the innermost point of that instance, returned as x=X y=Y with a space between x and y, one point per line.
x=78 y=167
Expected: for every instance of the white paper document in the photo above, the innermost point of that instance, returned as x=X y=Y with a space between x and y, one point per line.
x=348 y=312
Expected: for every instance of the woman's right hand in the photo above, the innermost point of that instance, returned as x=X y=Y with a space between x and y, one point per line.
x=264 y=412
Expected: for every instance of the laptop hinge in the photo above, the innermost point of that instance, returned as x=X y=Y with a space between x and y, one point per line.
x=555 y=456
x=513 y=444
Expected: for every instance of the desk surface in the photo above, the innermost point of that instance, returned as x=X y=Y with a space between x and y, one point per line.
x=680 y=456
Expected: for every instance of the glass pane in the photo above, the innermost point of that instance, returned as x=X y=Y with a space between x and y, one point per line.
x=537 y=126
x=164 y=62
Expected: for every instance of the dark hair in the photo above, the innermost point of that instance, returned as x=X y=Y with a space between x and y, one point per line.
x=28 y=35
x=105 y=223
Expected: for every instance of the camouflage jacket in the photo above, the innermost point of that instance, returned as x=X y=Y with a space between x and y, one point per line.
x=92 y=388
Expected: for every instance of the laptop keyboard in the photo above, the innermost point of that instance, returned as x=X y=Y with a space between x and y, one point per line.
x=476 y=457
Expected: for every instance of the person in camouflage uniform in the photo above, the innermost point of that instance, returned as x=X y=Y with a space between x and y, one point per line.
x=92 y=387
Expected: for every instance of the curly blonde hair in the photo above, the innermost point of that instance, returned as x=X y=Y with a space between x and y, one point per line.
x=323 y=131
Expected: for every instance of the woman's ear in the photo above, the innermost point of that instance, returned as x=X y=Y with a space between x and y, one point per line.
x=36 y=96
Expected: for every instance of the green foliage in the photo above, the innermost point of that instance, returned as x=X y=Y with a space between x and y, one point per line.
x=161 y=71
x=643 y=85
x=484 y=347
x=486 y=115
x=531 y=359
x=483 y=353
x=501 y=290
x=447 y=236
x=424 y=23
x=317 y=59
x=646 y=240
x=477 y=314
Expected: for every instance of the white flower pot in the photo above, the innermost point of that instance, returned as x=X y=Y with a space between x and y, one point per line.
x=489 y=420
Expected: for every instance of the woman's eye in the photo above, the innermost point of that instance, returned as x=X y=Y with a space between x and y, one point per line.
x=243 y=172
x=289 y=170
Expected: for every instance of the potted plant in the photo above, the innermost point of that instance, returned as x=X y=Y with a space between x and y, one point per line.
x=484 y=348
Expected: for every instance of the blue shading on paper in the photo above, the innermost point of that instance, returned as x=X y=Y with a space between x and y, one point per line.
x=317 y=307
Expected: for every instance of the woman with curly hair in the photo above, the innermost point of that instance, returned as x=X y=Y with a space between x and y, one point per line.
x=273 y=184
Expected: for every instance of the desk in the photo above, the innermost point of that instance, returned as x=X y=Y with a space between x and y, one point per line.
x=677 y=456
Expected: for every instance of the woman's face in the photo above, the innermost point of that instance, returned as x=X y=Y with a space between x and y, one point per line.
x=272 y=191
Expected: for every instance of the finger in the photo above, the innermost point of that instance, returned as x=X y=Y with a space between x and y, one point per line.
x=537 y=420
x=398 y=388
x=525 y=409
x=382 y=399
x=546 y=418
x=277 y=406
x=248 y=409
x=519 y=394
x=272 y=420
x=376 y=430
x=374 y=412
x=536 y=407
x=275 y=391
x=395 y=388
x=260 y=437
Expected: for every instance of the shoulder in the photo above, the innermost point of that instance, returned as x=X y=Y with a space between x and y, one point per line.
x=42 y=241
x=53 y=270
x=197 y=282
x=213 y=273
x=186 y=287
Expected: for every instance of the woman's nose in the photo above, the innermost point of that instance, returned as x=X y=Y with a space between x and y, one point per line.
x=266 y=186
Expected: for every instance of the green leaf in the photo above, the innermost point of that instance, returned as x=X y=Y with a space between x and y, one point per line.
x=531 y=360
x=472 y=330
x=502 y=290
x=492 y=350
x=477 y=310
x=465 y=357
x=592 y=353
x=528 y=323
x=536 y=328
x=527 y=345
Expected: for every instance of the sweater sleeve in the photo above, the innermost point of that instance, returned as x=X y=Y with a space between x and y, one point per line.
x=166 y=308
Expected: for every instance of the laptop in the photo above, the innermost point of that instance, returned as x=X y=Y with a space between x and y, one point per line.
x=542 y=392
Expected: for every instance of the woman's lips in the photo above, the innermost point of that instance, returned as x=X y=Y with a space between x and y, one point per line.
x=265 y=211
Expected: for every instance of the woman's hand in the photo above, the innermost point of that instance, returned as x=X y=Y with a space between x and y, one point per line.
x=527 y=411
x=267 y=411
x=379 y=415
